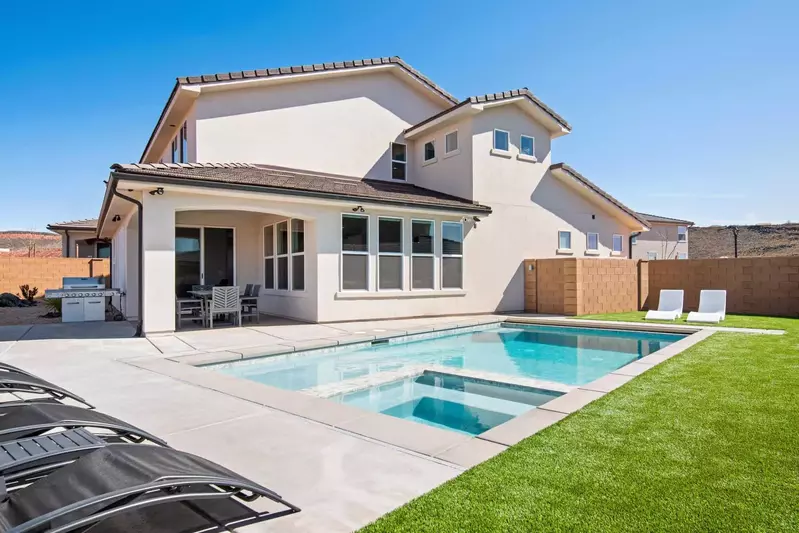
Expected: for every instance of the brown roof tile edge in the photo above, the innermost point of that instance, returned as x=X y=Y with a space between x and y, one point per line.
x=316 y=67
x=515 y=93
x=87 y=224
x=588 y=183
x=172 y=171
x=657 y=218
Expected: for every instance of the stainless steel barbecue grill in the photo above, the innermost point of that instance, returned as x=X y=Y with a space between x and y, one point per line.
x=83 y=299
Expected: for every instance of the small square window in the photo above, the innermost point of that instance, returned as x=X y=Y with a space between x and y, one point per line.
x=618 y=243
x=501 y=140
x=429 y=150
x=565 y=240
x=451 y=142
x=682 y=255
x=682 y=233
x=592 y=241
x=527 y=145
x=634 y=239
x=651 y=255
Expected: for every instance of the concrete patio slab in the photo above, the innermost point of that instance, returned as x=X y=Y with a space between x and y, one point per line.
x=209 y=340
x=169 y=344
x=572 y=401
x=301 y=332
x=521 y=427
x=12 y=333
x=471 y=452
x=607 y=383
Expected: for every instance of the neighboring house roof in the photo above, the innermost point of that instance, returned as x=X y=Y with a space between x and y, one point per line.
x=294 y=70
x=279 y=180
x=655 y=219
x=563 y=168
x=495 y=97
x=86 y=224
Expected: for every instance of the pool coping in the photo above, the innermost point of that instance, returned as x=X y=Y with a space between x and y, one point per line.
x=454 y=448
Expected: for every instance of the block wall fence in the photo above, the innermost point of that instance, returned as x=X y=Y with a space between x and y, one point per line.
x=574 y=286
x=46 y=272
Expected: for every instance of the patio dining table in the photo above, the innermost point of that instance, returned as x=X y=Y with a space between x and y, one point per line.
x=204 y=295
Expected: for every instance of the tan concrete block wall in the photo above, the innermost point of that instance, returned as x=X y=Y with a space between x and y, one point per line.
x=755 y=286
x=551 y=285
x=46 y=272
x=643 y=285
x=605 y=286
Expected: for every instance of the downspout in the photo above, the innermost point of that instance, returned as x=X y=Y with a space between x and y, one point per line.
x=140 y=208
x=66 y=233
x=633 y=235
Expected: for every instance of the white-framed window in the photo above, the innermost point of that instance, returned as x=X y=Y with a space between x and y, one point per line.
x=592 y=241
x=429 y=151
x=564 y=240
x=451 y=255
x=180 y=146
x=451 y=142
x=269 y=256
x=618 y=243
x=682 y=255
x=399 y=161
x=355 y=252
x=423 y=262
x=389 y=253
x=501 y=140
x=297 y=254
x=634 y=239
x=527 y=145
x=282 y=255
x=651 y=255
x=682 y=233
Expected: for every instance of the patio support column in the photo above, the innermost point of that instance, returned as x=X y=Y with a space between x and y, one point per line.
x=158 y=264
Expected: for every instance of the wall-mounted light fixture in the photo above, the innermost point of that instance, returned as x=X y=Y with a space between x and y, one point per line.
x=358 y=209
x=159 y=191
x=116 y=218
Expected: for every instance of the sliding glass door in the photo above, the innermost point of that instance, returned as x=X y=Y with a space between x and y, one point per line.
x=203 y=256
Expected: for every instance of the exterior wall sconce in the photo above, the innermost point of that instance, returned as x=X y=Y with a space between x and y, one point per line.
x=358 y=209
x=159 y=191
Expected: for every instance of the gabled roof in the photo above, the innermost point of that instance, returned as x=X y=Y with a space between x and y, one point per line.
x=294 y=182
x=655 y=219
x=524 y=92
x=277 y=72
x=562 y=169
x=86 y=224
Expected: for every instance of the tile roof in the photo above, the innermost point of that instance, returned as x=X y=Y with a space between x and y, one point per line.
x=279 y=180
x=87 y=224
x=316 y=67
x=588 y=183
x=666 y=220
x=494 y=97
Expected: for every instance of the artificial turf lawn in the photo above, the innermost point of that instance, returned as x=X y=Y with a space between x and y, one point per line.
x=707 y=441
x=730 y=321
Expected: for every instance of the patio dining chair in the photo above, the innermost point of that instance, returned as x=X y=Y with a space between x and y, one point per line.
x=249 y=304
x=224 y=301
x=189 y=310
x=247 y=290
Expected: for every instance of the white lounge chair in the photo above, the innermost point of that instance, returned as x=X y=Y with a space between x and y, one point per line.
x=669 y=306
x=712 y=307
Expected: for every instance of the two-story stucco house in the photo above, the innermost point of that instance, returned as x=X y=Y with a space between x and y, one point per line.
x=667 y=238
x=355 y=190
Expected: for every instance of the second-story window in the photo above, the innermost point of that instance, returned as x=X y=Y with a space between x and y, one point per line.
x=451 y=142
x=682 y=233
x=618 y=243
x=180 y=146
x=592 y=242
x=175 y=151
x=399 y=162
x=429 y=151
x=527 y=145
x=501 y=140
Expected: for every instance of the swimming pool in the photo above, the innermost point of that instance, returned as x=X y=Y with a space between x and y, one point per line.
x=567 y=355
x=466 y=405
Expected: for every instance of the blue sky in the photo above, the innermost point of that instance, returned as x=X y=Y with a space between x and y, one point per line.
x=682 y=108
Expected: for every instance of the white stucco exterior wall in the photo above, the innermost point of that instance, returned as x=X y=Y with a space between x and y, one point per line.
x=335 y=125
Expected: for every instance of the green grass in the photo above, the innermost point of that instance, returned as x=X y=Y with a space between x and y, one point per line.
x=707 y=441
x=730 y=321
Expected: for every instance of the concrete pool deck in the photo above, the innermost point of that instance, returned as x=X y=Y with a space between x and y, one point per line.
x=343 y=466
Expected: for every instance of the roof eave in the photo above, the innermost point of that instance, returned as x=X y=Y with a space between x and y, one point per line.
x=204 y=184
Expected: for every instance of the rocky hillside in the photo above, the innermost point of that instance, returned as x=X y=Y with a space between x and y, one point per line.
x=753 y=241
x=30 y=243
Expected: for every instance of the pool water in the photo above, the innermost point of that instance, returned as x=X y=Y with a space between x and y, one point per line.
x=466 y=405
x=571 y=356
